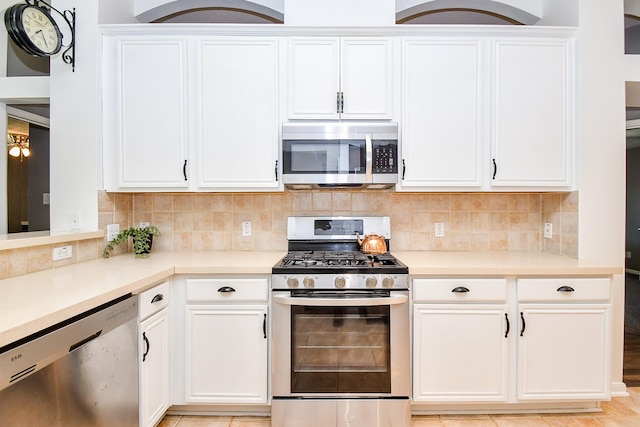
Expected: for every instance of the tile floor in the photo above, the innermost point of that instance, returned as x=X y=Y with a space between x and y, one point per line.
x=621 y=411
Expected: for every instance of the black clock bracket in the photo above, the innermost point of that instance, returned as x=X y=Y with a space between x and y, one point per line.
x=33 y=29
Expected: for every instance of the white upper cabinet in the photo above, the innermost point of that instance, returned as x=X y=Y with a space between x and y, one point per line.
x=237 y=113
x=190 y=113
x=533 y=112
x=333 y=78
x=488 y=112
x=145 y=128
x=443 y=112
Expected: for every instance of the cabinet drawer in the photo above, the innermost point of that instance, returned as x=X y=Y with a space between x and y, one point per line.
x=153 y=300
x=561 y=289
x=459 y=290
x=235 y=290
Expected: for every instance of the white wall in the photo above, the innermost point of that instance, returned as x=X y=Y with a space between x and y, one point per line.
x=339 y=12
x=601 y=134
x=563 y=13
x=116 y=12
x=75 y=131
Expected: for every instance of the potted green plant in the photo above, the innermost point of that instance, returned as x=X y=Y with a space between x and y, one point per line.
x=142 y=240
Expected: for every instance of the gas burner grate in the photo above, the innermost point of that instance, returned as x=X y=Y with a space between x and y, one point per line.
x=337 y=259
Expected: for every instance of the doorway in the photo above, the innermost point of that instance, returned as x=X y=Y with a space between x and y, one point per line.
x=27 y=176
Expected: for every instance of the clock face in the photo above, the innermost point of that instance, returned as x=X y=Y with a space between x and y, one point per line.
x=33 y=30
x=41 y=30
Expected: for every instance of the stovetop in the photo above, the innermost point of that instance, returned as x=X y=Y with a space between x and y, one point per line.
x=333 y=262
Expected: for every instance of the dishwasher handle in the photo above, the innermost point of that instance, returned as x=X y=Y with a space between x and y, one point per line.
x=84 y=341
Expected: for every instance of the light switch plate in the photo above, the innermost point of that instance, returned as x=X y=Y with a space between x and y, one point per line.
x=548 y=230
x=74 y=220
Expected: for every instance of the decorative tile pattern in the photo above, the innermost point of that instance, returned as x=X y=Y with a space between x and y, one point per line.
x=472 y=221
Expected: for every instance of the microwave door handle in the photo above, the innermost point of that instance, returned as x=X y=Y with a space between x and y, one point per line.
x=369 y=166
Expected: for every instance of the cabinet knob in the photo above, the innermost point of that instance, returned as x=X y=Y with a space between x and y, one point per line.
x=565 y=289
x=226 y=289
x=460 y=289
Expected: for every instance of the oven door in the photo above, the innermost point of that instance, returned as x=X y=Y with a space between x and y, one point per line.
x=340 y=343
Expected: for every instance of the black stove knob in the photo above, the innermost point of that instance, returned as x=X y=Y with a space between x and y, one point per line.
x=371 y=282
x=292 y=282
x=308 y=282
x=387 y=282
x=340 y=282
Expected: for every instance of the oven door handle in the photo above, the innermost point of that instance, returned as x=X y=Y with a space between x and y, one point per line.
x=359 y=302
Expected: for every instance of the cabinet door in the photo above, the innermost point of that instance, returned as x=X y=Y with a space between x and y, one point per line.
x=443 y=99
x=533 y=113
x=154 y=368
x=366 y=78
x=226 y=354
x=460 y=353
x=314 y=78
x=563 y=352
x=237 y=113
x=359 y=68
x=146 y=124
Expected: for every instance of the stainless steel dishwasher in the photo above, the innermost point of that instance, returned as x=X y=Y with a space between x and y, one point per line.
x=81 y=372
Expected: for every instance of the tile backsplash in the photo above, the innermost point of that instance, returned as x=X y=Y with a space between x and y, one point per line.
x=472 y=221
x=16 y=262
x=213 y=221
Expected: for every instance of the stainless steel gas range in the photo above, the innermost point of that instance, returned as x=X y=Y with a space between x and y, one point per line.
x=340 y=328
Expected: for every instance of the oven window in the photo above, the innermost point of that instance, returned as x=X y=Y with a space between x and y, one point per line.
x=340 y=349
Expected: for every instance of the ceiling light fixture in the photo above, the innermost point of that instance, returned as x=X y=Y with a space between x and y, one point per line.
x=18 y=145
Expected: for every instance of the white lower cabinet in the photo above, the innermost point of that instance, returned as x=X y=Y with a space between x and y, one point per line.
x=153 y=351
x=460 y=340
x=226 y=340
x=564 y=339
x=469 y=332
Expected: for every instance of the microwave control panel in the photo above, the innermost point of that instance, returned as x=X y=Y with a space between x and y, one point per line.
x=384 y=158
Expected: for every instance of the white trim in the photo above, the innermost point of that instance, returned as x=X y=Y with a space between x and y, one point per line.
x=27 y=116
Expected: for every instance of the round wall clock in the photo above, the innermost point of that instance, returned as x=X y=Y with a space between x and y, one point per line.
x=33 y=29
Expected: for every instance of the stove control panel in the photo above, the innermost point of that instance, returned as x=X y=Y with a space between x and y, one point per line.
x=340 y=281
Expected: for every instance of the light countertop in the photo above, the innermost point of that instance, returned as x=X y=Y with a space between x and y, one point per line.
x=35 y=301
x=32 y=302
x=500 y=263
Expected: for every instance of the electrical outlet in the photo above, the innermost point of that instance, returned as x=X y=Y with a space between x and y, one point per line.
x=439 y=229
x=548 y=230
x=74 y=220
x=112 y=231
x=246 y=228
x=62 y=252
x=46 y=198
x=144 y=224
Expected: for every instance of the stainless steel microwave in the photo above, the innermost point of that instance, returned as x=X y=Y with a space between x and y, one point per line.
x=329 y=155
